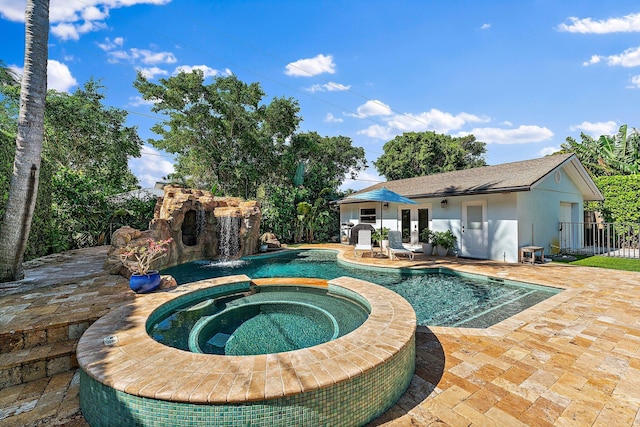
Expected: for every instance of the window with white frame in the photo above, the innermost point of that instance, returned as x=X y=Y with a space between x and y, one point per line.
x=368 y=216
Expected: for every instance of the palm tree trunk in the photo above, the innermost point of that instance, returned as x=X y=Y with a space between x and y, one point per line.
x=16 y=223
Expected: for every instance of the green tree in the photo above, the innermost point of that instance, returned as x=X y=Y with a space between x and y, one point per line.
x=425 y=153
x=609 y=154
x=88 y=146
x=279 y=213
x=16 y=222
x=321 y=162
x=222 y=133
x=309 y=174
x=311 y=217
x=84 y=161
x=86 y=136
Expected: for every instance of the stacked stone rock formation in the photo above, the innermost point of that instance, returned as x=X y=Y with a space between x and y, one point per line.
x=190 y=218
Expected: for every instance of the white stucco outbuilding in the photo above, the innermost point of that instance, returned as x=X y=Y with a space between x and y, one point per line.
x=493 y=210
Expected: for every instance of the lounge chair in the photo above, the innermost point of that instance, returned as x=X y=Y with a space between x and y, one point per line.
x=363 y=243
x=396 y=247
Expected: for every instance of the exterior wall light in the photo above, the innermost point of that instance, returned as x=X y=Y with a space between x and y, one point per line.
x=443 y=203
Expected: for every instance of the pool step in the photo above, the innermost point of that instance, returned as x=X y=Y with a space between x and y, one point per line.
x=38 y=353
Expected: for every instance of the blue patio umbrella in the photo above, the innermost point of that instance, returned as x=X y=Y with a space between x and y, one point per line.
x=382 y=195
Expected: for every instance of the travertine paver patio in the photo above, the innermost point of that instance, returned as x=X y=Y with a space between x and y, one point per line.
x=571 y=360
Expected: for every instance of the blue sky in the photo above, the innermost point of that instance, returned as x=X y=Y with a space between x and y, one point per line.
x=520 y=75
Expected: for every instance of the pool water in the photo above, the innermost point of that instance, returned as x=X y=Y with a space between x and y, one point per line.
x=439 y=297
x=267 y=319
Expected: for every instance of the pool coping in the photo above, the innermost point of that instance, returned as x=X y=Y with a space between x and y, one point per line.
x=133 y=362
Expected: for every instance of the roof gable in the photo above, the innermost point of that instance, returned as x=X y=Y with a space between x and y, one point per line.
x=507 y=177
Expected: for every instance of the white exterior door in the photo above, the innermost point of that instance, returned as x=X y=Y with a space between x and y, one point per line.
x=475 y=230
x=411 y=220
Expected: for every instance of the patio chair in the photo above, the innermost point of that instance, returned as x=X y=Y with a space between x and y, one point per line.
x=396 y=247
x=363 y=243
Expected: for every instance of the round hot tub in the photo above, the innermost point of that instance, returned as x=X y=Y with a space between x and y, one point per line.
x=259 y=320
x=226 y=352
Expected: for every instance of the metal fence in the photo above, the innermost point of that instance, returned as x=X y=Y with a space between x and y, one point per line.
x=599 y=238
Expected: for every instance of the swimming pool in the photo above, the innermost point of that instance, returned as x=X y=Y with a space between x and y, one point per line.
x=440 y=297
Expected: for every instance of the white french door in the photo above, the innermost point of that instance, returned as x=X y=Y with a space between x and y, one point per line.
x=412 y=220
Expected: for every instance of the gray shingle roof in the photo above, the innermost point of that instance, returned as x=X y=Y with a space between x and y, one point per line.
x=507 y=177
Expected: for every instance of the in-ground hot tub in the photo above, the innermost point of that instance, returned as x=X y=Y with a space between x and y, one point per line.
x=260 y=320
x=128 y=378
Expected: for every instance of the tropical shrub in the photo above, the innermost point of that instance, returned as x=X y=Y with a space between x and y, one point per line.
x=445 y=238
x=621 y=198
x=426 y=235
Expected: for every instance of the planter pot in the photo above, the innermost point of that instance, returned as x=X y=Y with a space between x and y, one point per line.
x=384 y=245
x=427 y=248
x=441 y=250
x=141 y=283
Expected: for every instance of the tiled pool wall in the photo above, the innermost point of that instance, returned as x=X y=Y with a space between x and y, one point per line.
x=349 y=403
x=361 y=374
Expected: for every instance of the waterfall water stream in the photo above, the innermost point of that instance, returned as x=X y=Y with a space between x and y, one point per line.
x=228 y=243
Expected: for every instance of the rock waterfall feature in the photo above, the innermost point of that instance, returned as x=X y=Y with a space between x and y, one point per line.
x=201 y=225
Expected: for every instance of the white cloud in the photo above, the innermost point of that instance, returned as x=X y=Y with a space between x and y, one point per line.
x=628 y=58
x=13 y=10
x=548 y=150
x=485 y=26
x=372 y=107
x=311 y=66
x=328 y=87
x=70 y=19
x=635 y=82
x=594 y=60
x=65 y=32
x=109 y=44
x=433 y=120
x=144 y=56
x=379 y=132
x=59 y=76
x=152 y=72
x=150 y=167
x=596 y=129
x=521 y=135
x=137 y=101
x=331 y=119
x=70 y=31
x=149 y=57
x=626 y=24
x=206 y=71
x=92 y=13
